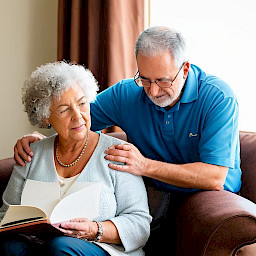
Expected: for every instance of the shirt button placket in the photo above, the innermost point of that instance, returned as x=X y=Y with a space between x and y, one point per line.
x=168 y=123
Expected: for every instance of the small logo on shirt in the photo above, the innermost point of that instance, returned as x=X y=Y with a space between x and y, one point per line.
x=193 y=134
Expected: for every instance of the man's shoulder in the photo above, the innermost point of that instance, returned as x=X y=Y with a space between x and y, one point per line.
x=213 y=83
x=219 y=85
x=127 y=81
x=126 y=86
x=125 y=91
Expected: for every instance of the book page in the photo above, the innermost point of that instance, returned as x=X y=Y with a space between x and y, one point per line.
x=81 y=204
x=78 y=186
x=21 y=212
x=44 y=195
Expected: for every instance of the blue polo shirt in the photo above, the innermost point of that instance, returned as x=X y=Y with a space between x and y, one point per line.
x=201 y=127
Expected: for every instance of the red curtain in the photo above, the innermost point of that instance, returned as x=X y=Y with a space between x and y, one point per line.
x=101 y=35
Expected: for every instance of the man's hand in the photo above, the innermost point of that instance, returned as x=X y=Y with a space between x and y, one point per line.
x=197 y=175
x=134 y=162
x=22 y=150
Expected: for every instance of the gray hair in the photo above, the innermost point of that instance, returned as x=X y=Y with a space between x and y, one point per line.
x=51 y=81
x=157 y=39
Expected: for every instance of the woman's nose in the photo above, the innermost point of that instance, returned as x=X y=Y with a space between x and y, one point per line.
x=76 y=113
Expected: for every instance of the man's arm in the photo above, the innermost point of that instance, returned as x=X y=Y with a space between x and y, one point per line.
x=22 y=150
x=191 y=175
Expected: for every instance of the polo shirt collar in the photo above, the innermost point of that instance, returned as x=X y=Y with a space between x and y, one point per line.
x=190 y=92
x=145 y=97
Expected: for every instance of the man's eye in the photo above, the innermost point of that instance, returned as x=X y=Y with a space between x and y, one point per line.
x=164 y=80
x=82 y=103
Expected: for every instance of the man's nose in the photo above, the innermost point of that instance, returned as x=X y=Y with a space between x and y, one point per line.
x=154 y=89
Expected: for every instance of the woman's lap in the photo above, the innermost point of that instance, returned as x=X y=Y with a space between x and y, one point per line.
x=19 y=245
x=73 y=246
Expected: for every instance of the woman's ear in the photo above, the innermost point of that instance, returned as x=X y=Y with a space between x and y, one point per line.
x=46 y=123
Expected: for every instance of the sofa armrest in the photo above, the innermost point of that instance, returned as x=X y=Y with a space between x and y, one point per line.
x=6 y=166
x=248 y=165
x=213 y=223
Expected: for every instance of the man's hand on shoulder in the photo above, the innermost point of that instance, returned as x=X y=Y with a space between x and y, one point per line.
x=22 y=150
x=134 y=162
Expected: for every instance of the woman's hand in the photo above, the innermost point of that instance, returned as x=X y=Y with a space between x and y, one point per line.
x=79 y=228
x=85 y=229
x=22 y=150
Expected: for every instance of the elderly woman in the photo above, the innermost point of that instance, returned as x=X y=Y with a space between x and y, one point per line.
x=58 y=95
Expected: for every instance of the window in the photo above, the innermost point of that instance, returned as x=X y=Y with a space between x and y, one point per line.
x=221 y=39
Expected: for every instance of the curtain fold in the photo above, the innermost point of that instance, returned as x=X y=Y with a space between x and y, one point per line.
x=101 y=34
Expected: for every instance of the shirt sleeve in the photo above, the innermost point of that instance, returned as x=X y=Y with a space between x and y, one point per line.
x=13 y=191
x=105 y=109
x=132 y=217
x=220 y=136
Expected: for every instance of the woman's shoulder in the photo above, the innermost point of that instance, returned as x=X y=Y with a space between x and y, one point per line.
x=109 y=140
x=44 y=143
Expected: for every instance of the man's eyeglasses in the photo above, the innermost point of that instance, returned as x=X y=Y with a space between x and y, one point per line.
x=162 y=83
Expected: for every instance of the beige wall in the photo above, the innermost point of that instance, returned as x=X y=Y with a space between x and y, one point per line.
x=28 y=38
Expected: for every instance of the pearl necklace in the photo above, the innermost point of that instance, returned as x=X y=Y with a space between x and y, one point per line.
x=78 y=158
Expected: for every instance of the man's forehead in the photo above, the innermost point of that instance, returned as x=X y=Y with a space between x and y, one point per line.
x=156 y=67
x=154 y=54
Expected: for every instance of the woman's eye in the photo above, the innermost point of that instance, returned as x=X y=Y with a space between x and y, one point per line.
x=63 y=111
x=82 y=104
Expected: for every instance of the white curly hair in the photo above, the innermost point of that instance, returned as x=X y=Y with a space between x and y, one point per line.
x=51 y=81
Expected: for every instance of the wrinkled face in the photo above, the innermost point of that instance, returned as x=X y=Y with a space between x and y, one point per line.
x=162 y=67
x=70 y=116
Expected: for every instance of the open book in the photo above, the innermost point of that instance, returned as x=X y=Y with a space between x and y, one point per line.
x=41 y=209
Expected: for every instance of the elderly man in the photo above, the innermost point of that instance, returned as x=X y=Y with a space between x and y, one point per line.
x=182 y=122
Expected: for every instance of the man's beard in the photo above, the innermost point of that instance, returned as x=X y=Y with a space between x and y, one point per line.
x=166 y=100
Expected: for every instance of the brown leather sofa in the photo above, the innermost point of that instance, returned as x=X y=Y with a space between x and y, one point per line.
x=209 y=223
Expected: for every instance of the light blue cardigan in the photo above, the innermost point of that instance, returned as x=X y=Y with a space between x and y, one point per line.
x=123 y=198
